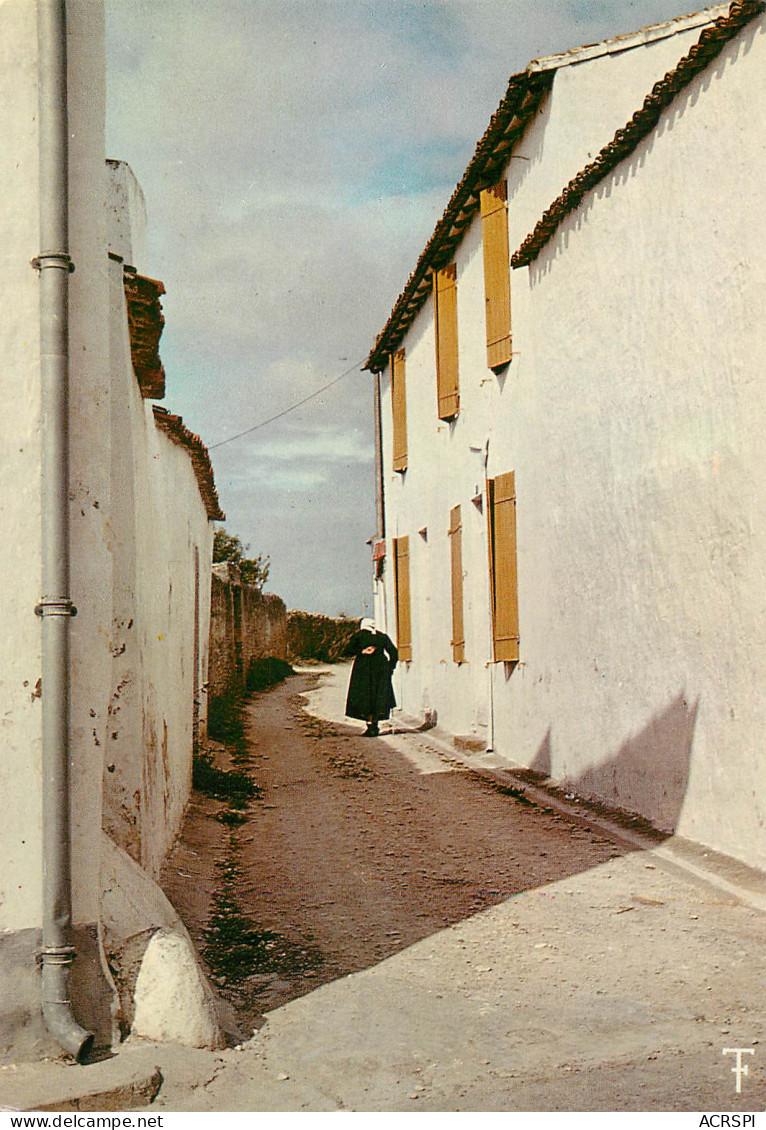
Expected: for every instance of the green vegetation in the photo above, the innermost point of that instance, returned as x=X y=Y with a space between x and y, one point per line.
x=512 y=790
x=253 y=570
x=225 y=721
x=237 y=948
x=266 y=672
x=233 y=786
x=318 y=639
x=226 y=724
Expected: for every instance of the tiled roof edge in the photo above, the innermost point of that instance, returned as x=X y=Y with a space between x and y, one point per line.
x=709 y=45
x=145 y=324
x=619 y=43
x=174 y=427
x=522 y=98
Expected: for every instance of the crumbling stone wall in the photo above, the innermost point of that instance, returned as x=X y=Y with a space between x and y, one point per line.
x=245 y=625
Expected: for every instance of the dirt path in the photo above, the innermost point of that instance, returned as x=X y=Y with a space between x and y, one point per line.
x=351 y=854
x=594 y=979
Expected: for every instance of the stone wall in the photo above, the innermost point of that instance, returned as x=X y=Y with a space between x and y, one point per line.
x=245 y=625
x=323 y=639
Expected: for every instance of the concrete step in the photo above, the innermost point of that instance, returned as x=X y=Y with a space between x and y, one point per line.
x=470 y=743
x=122 y=1082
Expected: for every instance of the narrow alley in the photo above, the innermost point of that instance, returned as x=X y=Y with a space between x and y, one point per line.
x=356 y=850
x=533 y=962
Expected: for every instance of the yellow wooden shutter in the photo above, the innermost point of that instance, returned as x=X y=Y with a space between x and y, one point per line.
x=399 y=407
x=445 y=312
x=501 y=515
x=497 y=274
x=456 y=556
x=402 y=583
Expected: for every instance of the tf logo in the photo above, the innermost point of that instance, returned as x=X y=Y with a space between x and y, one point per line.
x=739 y=1069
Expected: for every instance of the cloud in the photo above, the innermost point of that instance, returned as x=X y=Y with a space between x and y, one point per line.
x=333 y=446
x=301 y=459
x=295 y=155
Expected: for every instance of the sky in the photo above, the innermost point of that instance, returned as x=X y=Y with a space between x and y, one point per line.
x=295 y=156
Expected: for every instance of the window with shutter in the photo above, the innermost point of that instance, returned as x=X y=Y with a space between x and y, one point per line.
x=497 y=274
x=456 y=557
x=399 y=408
x=501 y=517
x=445 y=314
x=402 y=594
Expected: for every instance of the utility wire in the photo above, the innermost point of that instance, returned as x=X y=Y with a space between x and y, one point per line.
x=286 y=411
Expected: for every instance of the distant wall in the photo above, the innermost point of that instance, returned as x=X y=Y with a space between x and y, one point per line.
x=245 y=625
x=320 y=638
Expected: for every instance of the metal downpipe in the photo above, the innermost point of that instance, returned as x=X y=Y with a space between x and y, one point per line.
x=55 y=608
x=380 y=497
x=380 y=505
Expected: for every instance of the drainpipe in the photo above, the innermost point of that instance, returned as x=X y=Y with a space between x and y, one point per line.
x=380 y=497
x=55 y=608
x=380 y=501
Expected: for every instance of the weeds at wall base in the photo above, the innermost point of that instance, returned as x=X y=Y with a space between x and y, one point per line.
x=234 y=786
x=236 y=948
x=225 y=720
x=266 y=672
x=232 y=818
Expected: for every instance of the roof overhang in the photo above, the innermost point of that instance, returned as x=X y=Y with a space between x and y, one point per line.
x=174 y=427
x=523 y=96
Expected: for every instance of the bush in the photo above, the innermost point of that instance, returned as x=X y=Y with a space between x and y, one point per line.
x=265 y=672
x=224 y=719
x=321 y=639
x=253 y=570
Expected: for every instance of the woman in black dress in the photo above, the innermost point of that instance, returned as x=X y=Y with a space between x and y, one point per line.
x=370 y=694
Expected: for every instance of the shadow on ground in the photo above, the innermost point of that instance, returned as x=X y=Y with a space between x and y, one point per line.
x=350 y=854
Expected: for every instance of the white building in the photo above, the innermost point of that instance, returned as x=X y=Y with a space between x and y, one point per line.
x=141 y=508
x=572 y=541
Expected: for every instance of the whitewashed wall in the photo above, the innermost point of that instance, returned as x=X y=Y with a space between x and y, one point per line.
x=633 y=417
x=20 y=863
x=90 y=485
x=161 y=544
x=174 y=551
x=20 y=662
x=162 y=553
x=139 y=530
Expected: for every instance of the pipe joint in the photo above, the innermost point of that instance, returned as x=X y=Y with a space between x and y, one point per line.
x=55 y=606
x=57 y=1002
x=58 y=259
x=58 y=955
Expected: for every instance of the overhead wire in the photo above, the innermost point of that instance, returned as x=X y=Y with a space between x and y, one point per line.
x=286 y=411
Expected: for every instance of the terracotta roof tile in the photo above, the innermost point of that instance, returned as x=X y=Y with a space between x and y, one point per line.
x=145 y=325
x=522 y=98
x=711 y=42
x=174 y=427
